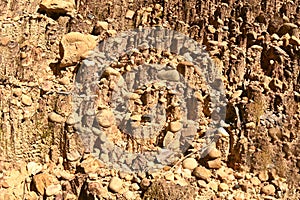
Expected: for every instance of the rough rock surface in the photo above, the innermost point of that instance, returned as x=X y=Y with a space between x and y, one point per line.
x=256 y=46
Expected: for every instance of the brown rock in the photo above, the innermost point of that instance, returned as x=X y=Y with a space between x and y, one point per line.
x=129 y=14
x=175 y=126
x=268 y=189
x=145 y=183
x=42 y=181
x=161 y=189
x=54 y=117
x=223 y=187
x=115 y=184
x=17 y=92
x=58 y=6
x=73 y=155
x=263 y=176
x=76 y=46
x=255 y=181
x=33 y=168
x=214 y=164
x=91 y=165
x=214 y=153
x=53 y=190
x=190 y=163
x=202 y=173
x=26 y=100
x=222 y=174
x=295 y=41
x=105 y=118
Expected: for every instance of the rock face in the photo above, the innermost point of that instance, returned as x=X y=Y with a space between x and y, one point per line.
x=255 y=44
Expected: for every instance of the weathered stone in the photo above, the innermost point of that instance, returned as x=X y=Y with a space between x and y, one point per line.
x=129 y=195
x=105 y=118
x=175 y=126
x=223 y=187
x=54 y=117
x=190 y=163
x=214 y=164
x=221 y=174
x=102 y=24
x=129 y=14
x=263 y=176
x=213 y=185
x=42 y=181
x=170 y=75
x=33 y=168
x=268 y=189
x=202 y=173
x=75 y=46
x=53 y=190
x=73 y=155
x=168 y=138
x=17 y=91
x=26 y=100
x=161 y=189
x=214 y=153
x=255 y=181
x=91 y=165
x=58 y=6
x=115 y=184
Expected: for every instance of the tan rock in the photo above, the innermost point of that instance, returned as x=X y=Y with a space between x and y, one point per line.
x=202 y=184
x=103 y=25
x=58 y=6
x=136 y=117
x=175 y=126
x=91 y=165
x=129 y=14
x=211 y=29
x=26 y=100
x=223 y=187
x=76 y=46
x=202 y=173
x=169 y=137
x=53 y=190
x=129 y=195
x=4 y=40
x=268 y=189
x=169 y=75
x=214 y=164
x=105 y=118
x=42 y=181
x=17 y=92
x=54 y=117
x=214 y=153
x=255 y=181
x=190 y=163
x=115 y=184
x=169 y=176
x=73 y=155
x=222 y=174
x=33 y=168
x=263 y=176
x=213 y=185
x=295 y=41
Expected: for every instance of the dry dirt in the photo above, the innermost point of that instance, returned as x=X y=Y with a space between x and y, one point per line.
x=255 y=45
